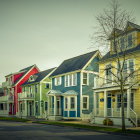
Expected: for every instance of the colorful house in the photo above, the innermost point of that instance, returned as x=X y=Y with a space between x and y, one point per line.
x=107 y=97
x=12 y=88
x=71 y=96
x=33 y=101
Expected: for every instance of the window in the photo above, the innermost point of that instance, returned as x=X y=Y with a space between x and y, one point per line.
x=85 y=102
x=130 y=43
x=131 y=65
x=108 y=73
x=36 y=88
x=46 y=105
x=58 y=81
x=70 y=80
x=47 y=85
x=119 y=100
x=122 y=44
x=72 y=103
x=21 y=107
x=66 y=80
x=30 y=89
x=74 y=79
x=66 y=103
x=36 y=107
x=85 y=78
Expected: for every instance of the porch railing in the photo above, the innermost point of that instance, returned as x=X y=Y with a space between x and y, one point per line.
x=26 y=95
x=4 y=112
x=53 y=112
x=6 y=98
x=110 y=112
x=133 y=117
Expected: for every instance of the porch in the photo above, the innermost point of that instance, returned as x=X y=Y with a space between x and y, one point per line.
x=107 y=104
x=54 y=105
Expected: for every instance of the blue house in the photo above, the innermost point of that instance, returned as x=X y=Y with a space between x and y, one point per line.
x=71 y=96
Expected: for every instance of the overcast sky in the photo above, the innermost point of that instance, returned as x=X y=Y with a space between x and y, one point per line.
x=46 y=32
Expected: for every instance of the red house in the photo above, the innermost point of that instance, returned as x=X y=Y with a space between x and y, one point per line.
x=12 y=87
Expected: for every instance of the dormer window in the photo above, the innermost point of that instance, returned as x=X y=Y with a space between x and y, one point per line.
x=122 y=44
x=130 y=43
x=31 y=78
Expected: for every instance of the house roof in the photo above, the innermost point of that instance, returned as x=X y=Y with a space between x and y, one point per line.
x=133 y=25
x=109 y=56
x=73 y=64
x=25 y=72
x=39 y=76
x=70 y=93
x=54 y=92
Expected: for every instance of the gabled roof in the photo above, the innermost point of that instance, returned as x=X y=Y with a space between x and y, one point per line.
x=39 y=76
x=26 y=70
x=135 y=26
x=109 y=55
x=73 y=64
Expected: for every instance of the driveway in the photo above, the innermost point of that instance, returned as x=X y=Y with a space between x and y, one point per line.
x=23 y=131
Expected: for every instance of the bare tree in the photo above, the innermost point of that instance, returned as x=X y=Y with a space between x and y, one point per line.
x=112 y=28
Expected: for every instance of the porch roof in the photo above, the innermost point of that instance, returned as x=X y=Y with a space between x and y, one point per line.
x=54 y=92
x=70 y=93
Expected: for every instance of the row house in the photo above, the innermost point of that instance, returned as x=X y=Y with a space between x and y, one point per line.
x=33 y=101
x=71 y=96
x=107 y=97
x=11 y=89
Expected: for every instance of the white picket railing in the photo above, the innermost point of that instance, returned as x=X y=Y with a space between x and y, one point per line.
x=111 y=112
x=52 y=113
x=133 y=117
x=4 y=112
x=26 y=95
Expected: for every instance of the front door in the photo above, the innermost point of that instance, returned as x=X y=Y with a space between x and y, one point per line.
x=109 y=105
x=58 y=105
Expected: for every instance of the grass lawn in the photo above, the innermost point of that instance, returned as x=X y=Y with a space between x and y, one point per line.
x=98 y=128
x=13 y=119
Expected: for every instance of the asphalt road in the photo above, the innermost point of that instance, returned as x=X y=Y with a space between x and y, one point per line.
x=23 y=131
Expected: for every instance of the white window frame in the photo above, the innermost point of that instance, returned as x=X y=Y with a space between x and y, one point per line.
x=69 y=103
x=85 y=96
x=83 y=78
x=67 y=80
x=56 y=81
x=65 y=103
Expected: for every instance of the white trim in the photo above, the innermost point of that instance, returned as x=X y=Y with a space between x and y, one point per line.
x=87 y=102
x=97 y=53
x=48 y=75
x=60 y=81
x=27 y=73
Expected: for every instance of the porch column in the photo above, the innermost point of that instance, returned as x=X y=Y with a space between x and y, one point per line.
x=7 y=108
x=95 y=104
x=54 y=105
x=48 y=109
x=25 y=108
x=34 y=107
x=105 y=103
x=128 y=102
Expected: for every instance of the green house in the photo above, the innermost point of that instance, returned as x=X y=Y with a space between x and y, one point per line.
x=33 y=101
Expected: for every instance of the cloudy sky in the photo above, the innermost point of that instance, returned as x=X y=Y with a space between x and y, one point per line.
x=45 y=32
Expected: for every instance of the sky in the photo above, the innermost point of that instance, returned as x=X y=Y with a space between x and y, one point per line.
x=46 y=32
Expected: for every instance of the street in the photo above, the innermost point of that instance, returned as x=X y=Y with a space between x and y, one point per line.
x=23 y=131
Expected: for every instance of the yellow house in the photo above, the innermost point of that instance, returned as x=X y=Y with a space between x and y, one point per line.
x=107 y=97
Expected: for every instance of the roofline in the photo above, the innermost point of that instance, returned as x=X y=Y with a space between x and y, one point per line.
x=98 y=52
x=29 y=84
x=49 y=74
x=120 y=56
x=66 y=73
x=14 y=73
x=26 y=74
